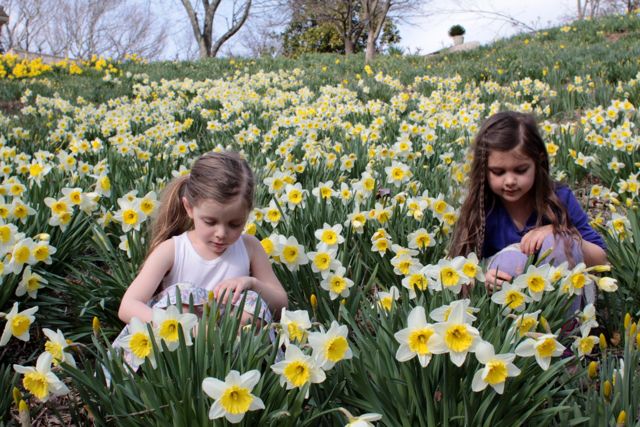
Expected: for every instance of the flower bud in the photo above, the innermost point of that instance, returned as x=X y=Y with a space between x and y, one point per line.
x=23 y=413
x=622 y=419
x=545 y=324
x=314 y=301
x=601 y=268
x=606 y=390
x=17 y=396
x=638 y=340
x=627 y=321
x=603 y=342
x=95 y=325
x=593 y=370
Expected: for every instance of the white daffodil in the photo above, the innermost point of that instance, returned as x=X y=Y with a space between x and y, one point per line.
x=39 y=380
x=607 y=284
x=364 y=420
x=332 y=346
x=56 y=345
x=441 y=314
x=330 y=235
x=297 y=369
x=30 y=283
x=416 y=280
x=421 y=239
x=497 y=367
x=387 y=299
x=523 y=324
x=139 y=343
x=511 y=297
x=18 y=324
x=544 y=347
x=337 y=284
x=536 y=280
x=324 y=260
x=233 y=398
x=448 y=274
x=292 y=254
x=169 y=321
x=471 y=267
x=130 y=215
x=458 y=336
x=295 y=325
x=418 y=339
x=587 y=319
x=585 y=343
x=576 y=280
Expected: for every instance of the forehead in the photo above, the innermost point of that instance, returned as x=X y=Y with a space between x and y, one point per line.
x=234 y=208
x=511 y=158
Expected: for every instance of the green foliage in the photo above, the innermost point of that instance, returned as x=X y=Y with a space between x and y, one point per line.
x=456 y=30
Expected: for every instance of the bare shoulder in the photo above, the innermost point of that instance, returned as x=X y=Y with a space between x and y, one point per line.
x=252 y=244
x=163 y=254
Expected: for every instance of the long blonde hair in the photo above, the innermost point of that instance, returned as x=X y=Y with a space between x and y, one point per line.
x=214 y=176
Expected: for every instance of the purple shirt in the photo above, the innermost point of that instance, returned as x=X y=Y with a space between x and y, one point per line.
x=501 y=232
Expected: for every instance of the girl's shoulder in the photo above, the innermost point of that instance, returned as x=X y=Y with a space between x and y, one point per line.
x=251 y=243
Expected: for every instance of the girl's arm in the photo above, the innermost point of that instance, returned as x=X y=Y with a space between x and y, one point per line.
x=262 y=280
x=593 y=254
x=134 y=301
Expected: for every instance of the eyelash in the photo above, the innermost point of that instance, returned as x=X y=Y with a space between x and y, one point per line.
x=519 y=172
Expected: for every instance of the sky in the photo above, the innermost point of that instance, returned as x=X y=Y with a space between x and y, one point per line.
x=429 y=34
x=422 y=34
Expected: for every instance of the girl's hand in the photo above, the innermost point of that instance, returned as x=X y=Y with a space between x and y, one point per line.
x=232 y=289
x=493 y=280
x=532 y=241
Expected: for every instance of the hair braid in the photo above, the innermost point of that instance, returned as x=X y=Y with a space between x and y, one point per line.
x=479 y=243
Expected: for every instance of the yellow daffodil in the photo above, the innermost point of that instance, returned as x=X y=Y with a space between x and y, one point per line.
x=39 y=380
x=497 y=368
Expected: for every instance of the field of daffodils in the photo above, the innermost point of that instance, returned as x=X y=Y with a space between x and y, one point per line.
x=361 y=172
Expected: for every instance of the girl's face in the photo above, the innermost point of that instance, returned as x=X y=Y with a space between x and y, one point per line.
x=216 y=226
x=511 y=175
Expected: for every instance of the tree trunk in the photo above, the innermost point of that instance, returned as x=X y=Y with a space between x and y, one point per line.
x=348 y=45
x=375 y=13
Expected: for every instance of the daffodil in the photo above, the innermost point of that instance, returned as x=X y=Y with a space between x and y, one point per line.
x=497 y=367
x=139 y=342
x=543 y=347
x=386 y=300
x=295 y=326
x=448 y=274
x=419 y=338
x=293 y=254
x=458 y=336
x=30 y=283
x=511 y=297
x=607 y=284
x=587 y=318
x=523 y=324
x=337 y=284
x=535 y=280
x=421 y=239
x=297 y=369
x=233 y=398
x=332 y=346
x=323 y=260
x=130 y=215
x=442 y=313
x=330 y=235
x=364 y=420
x=56 y=345
x=18 y=324
x=417 y=280
x=471 y=267
x=585 y=343
x=576 y=280
x=39 y=380
x=168 y=323
x=294 y=195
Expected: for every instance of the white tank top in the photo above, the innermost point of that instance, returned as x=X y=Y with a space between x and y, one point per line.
x=191 y=270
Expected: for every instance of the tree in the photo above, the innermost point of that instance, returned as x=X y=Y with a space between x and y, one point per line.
x=359 y=23
x=203 y=28
x=71 y=28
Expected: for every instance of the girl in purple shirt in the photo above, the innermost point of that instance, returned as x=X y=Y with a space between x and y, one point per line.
x=514 y=209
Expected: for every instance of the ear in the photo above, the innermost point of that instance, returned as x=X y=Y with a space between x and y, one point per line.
x=187 y=207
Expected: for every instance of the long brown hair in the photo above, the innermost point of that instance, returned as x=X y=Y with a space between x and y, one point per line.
x=505 y=131
x=214 y=176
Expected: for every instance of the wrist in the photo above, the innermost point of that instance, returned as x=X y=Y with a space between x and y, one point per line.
x=252 y=283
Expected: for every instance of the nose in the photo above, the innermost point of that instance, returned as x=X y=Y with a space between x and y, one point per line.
x=220 y=232
x=510 y=180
